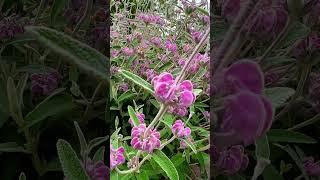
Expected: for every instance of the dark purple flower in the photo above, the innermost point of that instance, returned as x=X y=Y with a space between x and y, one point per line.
x=97 y=171
x=9 y=28
x=124 y=87
x=44 y=83
x=312 y=8
x=242 y=75
x=271 y=78
x=231 y=160
x=311 y=168
x=230 y=9
x=266 y=22
x=307 y=47
x=244 y=119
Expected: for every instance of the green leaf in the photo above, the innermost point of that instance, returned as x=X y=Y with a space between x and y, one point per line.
x=197 y=91
x=114 y=175
x=82 y=140
x=281 y=135
x=262 y=148
x=96 y=142
x=4 y=110
x=12 y=147
x=99 y=155
x=14 y=105
x=278 y=95
x=125 y=96
x=165 y=163
x=133 y=116
x=271 y=173
x=69 y=161
x=87 y=58
x=262 y=153
x=35 y=68
x=168 y=120
x=142 y=176
x=49 y=107
x=22 y=176
x=137 y=80
x=57 y=9
x=295 y=32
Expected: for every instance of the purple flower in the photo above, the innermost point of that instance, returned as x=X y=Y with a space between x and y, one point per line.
x=116 y=157
x=206 y=114
x=145 y=139
x=114 y=70
x=243 y=75
x=246 y=117
x=314 y=90
x=44 y=83
x=196 y=36
x=124 y=87
x=10 y=28
x=129 y=38
x=205 y=19
x=150 y=73
x=97 y=171
x=140 y=116
x=266 y=22
x=186 y=48
x=312 y=7
x=271 y=78
x=156 y=41
x=230 y=9
x=171 y=46
x=231 y=160
x=307 y=46
x=178 y=97
x=180 y=130
x=183 y=145
x=128 y=51
x=311 y=168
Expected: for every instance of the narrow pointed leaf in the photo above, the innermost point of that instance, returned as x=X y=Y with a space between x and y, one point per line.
x=133 y=116
x=82 y=139
x=137 y=80
x=281 y=135
x=165 y=163
x=85 y=57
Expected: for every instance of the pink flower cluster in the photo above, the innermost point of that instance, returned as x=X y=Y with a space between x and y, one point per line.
x=128 y=51
x=140 y=116
x=171 y=46
x=145 y=139
x=180 y=130
x=149 y=18
x=178 y=97
x=116 y=156
x=198 y=60
x=156 y=41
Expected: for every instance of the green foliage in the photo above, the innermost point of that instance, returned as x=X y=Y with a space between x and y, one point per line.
x=165 y=163
x=70 y=163
x=281 y=135
x=75 y=52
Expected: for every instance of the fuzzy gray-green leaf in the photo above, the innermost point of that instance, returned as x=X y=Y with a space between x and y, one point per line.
x=70 y=163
